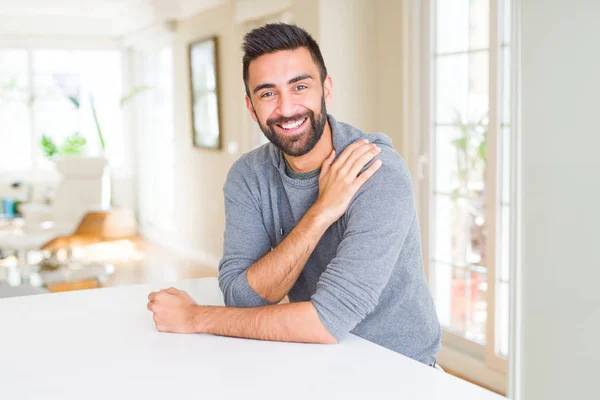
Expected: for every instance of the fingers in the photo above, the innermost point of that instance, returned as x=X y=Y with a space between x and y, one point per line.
x=150 y=306
x=152 y=296
x=349 y=150
x=360 y=156
x=362 y=178
x=360 y=162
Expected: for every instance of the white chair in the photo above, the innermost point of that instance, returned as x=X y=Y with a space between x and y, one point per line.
x=84 y=187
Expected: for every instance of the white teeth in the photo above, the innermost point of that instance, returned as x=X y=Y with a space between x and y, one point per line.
x=294 y=124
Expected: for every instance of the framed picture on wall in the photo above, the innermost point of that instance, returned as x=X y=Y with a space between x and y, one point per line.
x=205 y=95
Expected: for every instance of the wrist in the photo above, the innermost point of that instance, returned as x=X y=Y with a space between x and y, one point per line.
x=318 y=217
x=198 y=319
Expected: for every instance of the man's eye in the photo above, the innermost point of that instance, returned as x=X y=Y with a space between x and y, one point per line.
x=266 y=94
x=301 y=87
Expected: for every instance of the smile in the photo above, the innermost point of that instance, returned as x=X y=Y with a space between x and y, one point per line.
x=292 y=125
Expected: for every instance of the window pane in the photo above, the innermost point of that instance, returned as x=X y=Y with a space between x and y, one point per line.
x=506 y=164
x=461 y=88
x=460 y=159
x=452 y=25
x=504 y=255
x=506 y=20
x=459 y=230
x=15 y=118
x=502 y=319
x=505 y=90
x=477 y=315
x=479 y=24
x=64 y=78
x=462 y=25
x=460 y=297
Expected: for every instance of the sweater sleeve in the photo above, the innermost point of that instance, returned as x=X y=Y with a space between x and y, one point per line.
x=245 y=241
x=378 y=220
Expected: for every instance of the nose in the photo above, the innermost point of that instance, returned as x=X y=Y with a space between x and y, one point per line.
x=286 y=106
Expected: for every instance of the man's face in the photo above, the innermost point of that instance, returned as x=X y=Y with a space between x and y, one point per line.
x=288 y=100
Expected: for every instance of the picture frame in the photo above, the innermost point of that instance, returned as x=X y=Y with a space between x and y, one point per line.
x=204 y=88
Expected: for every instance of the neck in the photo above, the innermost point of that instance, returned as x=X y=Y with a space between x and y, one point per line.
x=314 y=158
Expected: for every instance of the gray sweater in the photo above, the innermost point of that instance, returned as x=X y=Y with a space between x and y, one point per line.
x=365 y=276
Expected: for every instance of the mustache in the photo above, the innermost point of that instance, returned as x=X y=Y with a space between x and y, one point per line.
x=284 y=120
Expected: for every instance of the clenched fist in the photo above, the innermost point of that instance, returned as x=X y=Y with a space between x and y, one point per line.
x=174 y=311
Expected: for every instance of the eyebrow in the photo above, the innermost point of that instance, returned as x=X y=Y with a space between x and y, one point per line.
x=272 y=85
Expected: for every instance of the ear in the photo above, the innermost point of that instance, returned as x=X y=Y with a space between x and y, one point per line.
x=327 y=87
x=250 y=108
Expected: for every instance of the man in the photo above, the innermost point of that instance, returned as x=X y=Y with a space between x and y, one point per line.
x=323 y=214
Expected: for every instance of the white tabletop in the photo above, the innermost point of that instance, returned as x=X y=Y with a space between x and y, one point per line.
x=102 y=344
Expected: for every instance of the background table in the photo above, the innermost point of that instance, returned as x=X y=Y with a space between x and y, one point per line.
x=102 y=344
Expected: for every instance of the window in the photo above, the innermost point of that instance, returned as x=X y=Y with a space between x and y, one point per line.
x=39 y=90
x=15 y=117
x=469 y=186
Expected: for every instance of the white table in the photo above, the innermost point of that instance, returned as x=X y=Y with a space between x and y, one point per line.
x=101 y=344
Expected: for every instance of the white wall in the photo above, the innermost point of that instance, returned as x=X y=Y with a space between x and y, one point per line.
x=560 y=200
x=347 y=39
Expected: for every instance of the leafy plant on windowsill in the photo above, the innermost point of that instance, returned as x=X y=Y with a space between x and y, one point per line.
x=73 y=145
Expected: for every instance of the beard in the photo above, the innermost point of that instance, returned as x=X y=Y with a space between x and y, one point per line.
x=303 y=142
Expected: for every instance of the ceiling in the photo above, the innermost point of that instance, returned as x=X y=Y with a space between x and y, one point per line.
x=112 y=18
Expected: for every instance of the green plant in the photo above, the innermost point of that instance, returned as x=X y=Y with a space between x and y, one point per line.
x=73 y=145
x=471 y=153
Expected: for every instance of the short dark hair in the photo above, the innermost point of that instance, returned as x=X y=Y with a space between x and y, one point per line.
x=275 y=37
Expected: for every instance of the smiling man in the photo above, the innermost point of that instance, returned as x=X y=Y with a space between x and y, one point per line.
x=323 y=214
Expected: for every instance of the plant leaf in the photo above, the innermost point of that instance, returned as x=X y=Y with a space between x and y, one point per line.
x=133 y=93
x=74 y=101
x=100 y=136
x=73 y=144
x=48 y=147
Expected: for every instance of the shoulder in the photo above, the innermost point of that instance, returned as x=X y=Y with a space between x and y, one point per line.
x=251 y=164
x=390 y=189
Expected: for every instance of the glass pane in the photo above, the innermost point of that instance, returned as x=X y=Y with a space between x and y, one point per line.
x=506 y=165
x=505 y=71
x=506 y=17
x=459 y=231
x=460 y=296
x=462 y=25
x=452 y=25
x=479 y=24
x=504 y=262
x=65 y=84
x=477 y=311
x=15 y=118
x=502 y=319
x=461 y=88
x=460 y=159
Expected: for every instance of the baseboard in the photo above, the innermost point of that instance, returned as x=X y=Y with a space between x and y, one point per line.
x=170 y=241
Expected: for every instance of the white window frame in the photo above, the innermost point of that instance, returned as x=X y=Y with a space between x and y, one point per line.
x=476 y=362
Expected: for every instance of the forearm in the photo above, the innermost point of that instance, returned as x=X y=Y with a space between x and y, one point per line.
x=296 y=322
x=273 y=276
